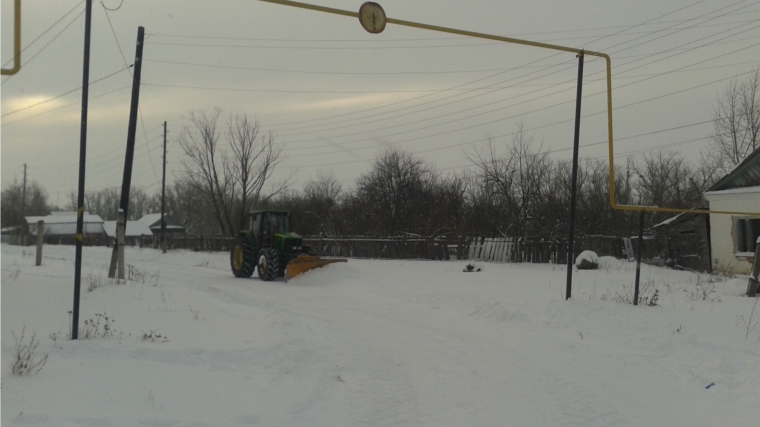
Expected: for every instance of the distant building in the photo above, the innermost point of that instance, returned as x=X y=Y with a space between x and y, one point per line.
x=134 y=230
x=63 y=224
x=173 y=227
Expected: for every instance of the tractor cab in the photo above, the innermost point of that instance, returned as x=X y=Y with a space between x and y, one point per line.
x=266 y=224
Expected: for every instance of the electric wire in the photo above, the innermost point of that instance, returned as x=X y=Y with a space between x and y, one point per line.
x=45 y=32
x=63 y=94
x=121 y=52
x=26 y=62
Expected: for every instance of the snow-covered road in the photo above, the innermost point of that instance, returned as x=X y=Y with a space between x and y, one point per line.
x=379 y=343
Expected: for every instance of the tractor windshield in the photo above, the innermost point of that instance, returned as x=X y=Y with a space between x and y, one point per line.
x=280 y=223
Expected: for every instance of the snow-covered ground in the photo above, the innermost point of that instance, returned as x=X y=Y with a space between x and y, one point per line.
x=378 y=343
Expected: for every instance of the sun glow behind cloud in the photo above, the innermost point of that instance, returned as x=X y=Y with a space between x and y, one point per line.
x=358 y=101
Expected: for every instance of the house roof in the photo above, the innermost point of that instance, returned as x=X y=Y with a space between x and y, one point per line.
x=63 y=218
x=669 y=221
x=134 y=229
x=742 y=190
x=745 y=174
x=683 y=216
x=154 y=220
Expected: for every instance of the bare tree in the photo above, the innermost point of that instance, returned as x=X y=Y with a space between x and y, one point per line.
x=397 y=192
x=518 y=180
x=322 y=201
x=205 y=165
x=736 y=118
x=231 y=180
x=254 y=159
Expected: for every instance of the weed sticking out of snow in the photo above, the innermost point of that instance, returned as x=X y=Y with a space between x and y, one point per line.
x=95 y=281
x=26 y=360
x=138 y=276
x=649 y=295
x=195 y=314
x=704 y=290
x=99 y=327
x=154 y=336
x=750 y=323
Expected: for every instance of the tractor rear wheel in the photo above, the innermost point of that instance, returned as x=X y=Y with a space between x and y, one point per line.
x=269 y=264
x=241 y=258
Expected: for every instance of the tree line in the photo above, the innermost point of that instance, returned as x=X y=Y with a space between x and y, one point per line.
x=513 y=188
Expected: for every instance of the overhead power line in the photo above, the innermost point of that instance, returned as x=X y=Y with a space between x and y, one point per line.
x=64 y=94
x=48 y=29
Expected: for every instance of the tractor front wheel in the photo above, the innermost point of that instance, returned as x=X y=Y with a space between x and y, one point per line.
x=241 y=258
x=269 y=264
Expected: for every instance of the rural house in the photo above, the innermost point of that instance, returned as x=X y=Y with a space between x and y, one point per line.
x=133 y=231
x=733 y=237
x=61 y=227
x=153 y=221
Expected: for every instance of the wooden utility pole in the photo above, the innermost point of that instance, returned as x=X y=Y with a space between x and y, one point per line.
x=40 y=241
x=82 y=161
x=163 y=199
x=23 y=196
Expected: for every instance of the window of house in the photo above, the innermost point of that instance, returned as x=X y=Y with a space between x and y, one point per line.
x=747 y=232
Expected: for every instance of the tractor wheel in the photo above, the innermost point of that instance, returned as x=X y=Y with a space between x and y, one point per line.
x=241 y=258
x=269 y=264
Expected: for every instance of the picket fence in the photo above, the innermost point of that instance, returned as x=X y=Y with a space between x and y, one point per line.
x=505 y=249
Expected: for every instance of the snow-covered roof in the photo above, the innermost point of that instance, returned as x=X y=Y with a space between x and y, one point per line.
x=154 y=220
x=668 y=221
x=60 y=218
x=134 y=229
x=740 y=190
x=745 y=174
x=151 y=219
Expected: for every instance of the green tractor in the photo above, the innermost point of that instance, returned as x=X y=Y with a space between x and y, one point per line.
x=273 y=248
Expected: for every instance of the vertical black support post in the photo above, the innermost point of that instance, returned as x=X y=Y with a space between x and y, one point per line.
x=132 y=129
x=82 y=160
x=638 y=259
x=23 y=196
x=573 y=185
x=163 y=198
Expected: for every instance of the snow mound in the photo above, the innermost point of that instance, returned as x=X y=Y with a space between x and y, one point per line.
x=587 y=260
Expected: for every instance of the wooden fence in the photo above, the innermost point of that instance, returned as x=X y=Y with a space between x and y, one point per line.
x=462 y=248
x=552 y=251
x=201 y=243
x=392 y=248
x=505 y=250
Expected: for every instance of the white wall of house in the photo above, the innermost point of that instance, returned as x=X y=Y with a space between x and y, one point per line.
x=723 y=228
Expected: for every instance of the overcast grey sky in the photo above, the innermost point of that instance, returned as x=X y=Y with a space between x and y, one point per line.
x=335 y=95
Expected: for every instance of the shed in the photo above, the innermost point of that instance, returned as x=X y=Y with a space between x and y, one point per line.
x=153 y=221
x=687 y=241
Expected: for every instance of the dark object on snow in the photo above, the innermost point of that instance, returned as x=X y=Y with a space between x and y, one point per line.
x=587 y=260
x=710 y=385
x=470 y=269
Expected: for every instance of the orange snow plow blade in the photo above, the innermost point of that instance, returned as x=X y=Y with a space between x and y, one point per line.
x=305 y=263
